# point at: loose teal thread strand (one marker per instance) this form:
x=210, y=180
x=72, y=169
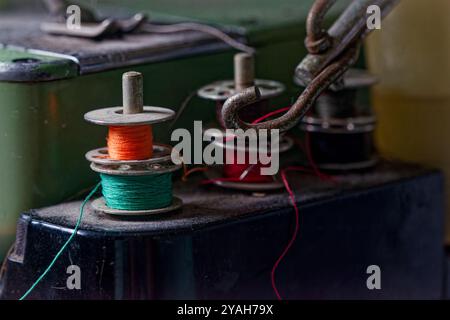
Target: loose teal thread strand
x=60, y=252
x=131, y=193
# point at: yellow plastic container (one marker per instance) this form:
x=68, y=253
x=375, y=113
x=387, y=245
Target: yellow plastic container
x=411, y=55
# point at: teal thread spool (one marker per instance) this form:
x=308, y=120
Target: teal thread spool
x=134, y=187
x=137, y=193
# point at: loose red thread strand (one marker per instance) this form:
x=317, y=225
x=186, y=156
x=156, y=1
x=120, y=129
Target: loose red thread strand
x=297, y=223
x=284, y=172
x=188, y=173
x=296, y=230
x=130, y=142
x=307, y=150
x=315, y=170
x=271, y=114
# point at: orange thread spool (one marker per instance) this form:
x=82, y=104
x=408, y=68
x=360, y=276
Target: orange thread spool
x=130, y=142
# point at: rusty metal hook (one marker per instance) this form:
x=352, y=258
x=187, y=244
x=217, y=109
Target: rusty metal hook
x=298, y=110
x=349, y=28
x=317, y=38
x=331, y=55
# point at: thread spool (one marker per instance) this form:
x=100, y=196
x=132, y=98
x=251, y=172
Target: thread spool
x=136, y=190
x=137, y=193
x=136, y=173
x=246, y=176
x=340, y=135
x=243, y=176
x=244, y=77
x=246, y=173
x=130, y=143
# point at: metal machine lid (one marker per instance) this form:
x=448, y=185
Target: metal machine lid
x=21, y=65
x=80, y=56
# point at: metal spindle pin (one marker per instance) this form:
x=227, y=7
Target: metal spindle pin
x=244, y=71
x=244, y=78
x=133, y=92
x=132, y=112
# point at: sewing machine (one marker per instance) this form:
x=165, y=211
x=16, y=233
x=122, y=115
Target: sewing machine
x=223, y=243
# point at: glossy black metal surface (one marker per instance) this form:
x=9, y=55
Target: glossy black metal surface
x=223, y=244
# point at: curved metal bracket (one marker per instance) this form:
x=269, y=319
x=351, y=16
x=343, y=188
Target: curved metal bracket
x=317, y=38
x=332, y=54
x=349, y=28
x=299, y=109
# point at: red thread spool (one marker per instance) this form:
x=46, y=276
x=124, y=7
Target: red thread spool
x=250, y=173
x=247, y=172
x=130, y=142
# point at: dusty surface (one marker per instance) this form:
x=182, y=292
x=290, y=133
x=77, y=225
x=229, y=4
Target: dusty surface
x=210, y=205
